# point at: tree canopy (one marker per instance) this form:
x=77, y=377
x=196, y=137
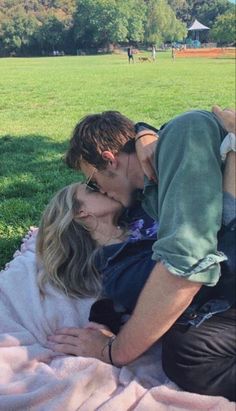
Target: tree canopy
x=224, y=29
x=36, y=27
x=162, y=24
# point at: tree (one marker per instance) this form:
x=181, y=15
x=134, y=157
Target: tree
x=24, y=25
x=208, y=11
x=205, y=11
x=180, y=8
x=136, y=15
x=16, y=32
x=28, y=26
x=50, y=34
x=99, y=23
x=224, y=29
x=161, y=23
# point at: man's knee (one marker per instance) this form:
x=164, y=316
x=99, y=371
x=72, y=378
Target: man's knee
x=191, y=360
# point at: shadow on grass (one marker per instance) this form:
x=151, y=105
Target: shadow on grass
x=31, y=171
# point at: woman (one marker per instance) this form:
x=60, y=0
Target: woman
x=85, y=250
x=75, y=223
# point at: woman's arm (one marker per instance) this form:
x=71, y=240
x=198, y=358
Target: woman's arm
x=227, y=117
x=228, y=154
x=229, y=183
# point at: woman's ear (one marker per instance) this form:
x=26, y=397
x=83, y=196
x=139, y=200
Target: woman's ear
x=82, y=213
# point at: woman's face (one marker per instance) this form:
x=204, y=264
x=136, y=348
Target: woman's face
x=97, y=203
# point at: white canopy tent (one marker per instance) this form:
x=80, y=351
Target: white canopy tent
x=196, y=27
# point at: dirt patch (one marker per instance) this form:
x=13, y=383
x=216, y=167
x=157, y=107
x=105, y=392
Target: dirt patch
x=209, y=53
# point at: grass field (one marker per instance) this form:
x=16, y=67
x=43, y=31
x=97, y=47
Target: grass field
x=42, y=99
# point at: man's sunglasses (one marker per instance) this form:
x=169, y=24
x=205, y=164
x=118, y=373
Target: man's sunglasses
x=91, y=185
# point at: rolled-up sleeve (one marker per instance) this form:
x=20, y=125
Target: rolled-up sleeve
x=189, y=201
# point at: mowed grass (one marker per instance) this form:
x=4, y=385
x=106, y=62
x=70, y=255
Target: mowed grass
x=42, y=99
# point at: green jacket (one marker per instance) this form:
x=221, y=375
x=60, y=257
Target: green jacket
x=187, y=200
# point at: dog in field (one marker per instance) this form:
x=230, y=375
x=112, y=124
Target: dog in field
x=143, y=59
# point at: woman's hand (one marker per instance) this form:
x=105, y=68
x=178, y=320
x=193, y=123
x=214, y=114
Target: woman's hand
x=84, y=342
x=227, y=117
x=145, y=149
x=96, y=326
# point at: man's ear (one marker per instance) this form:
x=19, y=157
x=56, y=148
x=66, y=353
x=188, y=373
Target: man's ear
x=110, y=158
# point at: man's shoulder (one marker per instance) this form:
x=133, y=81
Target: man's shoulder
x=194, y=120
x=193, y=116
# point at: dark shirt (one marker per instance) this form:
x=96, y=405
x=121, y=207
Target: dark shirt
x=130, y=52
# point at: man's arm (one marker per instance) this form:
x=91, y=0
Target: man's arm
x=163, y=299
x=189, y=211
x=146, y=145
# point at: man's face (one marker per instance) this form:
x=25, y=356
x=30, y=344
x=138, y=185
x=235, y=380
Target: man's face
x=115, y=184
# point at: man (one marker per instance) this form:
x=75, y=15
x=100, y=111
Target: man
x=130, y=54
x=184, y=287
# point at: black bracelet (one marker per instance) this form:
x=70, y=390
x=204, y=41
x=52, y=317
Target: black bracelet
x=146, y=134
x=141, y=126
x=110, y=342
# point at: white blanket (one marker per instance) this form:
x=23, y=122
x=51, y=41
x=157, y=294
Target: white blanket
x=33, y=377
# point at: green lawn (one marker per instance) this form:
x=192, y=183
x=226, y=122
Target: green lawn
x=42, y=99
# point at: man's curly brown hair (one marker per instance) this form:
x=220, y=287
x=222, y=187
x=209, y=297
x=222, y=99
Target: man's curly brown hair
x=96, y=133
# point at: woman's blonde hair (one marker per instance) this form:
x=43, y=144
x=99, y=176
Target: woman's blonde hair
x=65, y=249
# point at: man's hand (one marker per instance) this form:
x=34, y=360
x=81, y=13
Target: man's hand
x=145, y=149
x=227, y=117
x=84, y=342
x=161, y=302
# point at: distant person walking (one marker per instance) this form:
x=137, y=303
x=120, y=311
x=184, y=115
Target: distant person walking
x=173, y=53
x=153, y=53
x=130, y=54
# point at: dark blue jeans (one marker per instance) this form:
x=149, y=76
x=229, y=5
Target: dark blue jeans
x=203, y=359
